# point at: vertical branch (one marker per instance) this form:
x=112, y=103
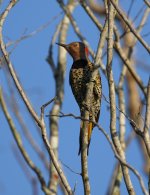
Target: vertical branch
x=112, y=98
x=117, y=175
x=121, y=97
x=59, y=75
x=84, y=144
x=146, y=135
x=86, y=113
x=129, y=41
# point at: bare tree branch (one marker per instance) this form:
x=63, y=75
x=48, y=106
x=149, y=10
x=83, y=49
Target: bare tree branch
x=10, y=67
x=62, y=115
x=59, y=76
x=147, y=3
x=33, y=33
x=20, y=145
x=146, y=136
x=117, y=46
x=39, y=121
x=146, y=46
x=129, y=96
x=112, y=98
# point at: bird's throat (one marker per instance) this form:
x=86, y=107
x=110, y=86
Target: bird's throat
x=81, y=63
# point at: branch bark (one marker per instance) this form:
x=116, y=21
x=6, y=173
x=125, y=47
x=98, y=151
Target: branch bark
x=59, y=76
x=39, y=121
x=137, y=35
x=114, y=135
x=18, y=140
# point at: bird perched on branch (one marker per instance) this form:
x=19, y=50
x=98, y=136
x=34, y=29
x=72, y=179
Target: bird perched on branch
x=80, y=75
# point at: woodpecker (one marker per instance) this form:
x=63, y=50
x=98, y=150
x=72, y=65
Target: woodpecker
x=80, y=75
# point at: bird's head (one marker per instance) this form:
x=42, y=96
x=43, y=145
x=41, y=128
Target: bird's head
x=77, y=50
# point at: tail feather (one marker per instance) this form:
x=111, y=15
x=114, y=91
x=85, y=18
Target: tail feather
x=90, y=127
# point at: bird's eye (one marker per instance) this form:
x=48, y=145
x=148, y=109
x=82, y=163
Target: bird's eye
x=75, y=45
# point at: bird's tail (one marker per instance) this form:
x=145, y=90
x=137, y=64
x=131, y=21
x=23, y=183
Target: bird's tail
x=90, y=128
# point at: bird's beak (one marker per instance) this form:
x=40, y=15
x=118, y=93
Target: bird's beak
x=62, y=45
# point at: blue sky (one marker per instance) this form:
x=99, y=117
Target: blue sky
x=36, y=77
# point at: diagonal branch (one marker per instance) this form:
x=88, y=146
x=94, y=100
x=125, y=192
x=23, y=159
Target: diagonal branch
x=125, y=19
x=18, y=140
x=147, y=3
x=40, y=122
x=10, y=67
x=117, y=47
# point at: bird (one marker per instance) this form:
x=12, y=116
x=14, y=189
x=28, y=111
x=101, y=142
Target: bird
x=79, y=76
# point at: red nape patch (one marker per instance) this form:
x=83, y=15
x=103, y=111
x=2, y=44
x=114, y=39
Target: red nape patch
x=87, y=51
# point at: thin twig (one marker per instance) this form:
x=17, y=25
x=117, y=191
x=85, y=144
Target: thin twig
x=70, y=169
x=33, y=33
x=45, y=105
x=132, y=122
x=130, y=8
x=32, y=180
x=49, y=58
x=91, y=14
x=130, y=68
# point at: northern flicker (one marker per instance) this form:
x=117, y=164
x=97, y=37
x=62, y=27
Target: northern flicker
x=80, y=75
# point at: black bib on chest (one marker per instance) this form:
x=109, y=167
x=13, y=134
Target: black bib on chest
x=79, y=64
